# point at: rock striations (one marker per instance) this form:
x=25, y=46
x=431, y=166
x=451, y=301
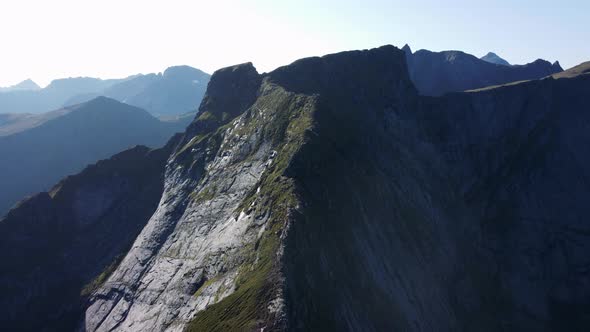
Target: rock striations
x=328, y=195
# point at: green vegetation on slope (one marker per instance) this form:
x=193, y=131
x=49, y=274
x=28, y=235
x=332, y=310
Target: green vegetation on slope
x=256, y=285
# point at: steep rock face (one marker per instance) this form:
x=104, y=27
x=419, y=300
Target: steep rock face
x=377, y=243
x=522, y=157
x=189, y=254
x=58, y=246
x=437, y=73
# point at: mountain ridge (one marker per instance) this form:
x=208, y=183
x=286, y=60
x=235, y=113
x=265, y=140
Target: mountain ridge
x=437, y=73
x=178, y=90
x=330, y=195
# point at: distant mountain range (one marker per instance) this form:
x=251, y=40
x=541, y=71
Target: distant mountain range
x=25, y=85
x=39, y=150
x=437, y=73
x=176, y=91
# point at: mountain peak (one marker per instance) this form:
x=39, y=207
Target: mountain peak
x=492, y=57
x=407, y=49
x=230, y=91
x=27, y=84
x=183, y=72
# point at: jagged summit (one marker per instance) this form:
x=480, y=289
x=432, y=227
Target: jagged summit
x=557, y=66
x=407, y=49
x=492, y=57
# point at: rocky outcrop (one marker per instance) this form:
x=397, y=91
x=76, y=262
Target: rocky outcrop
x=58, y=246
x=437, y=73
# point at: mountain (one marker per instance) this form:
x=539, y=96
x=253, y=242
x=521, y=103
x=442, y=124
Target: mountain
x=329, y=195
x=492, y=57
x=35, y=158
x=11, y=123
x=178, y=90
x=437, y=73
x=51, y=97
x=27, y=84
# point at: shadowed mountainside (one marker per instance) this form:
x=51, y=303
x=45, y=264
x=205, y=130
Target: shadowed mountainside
x=60, y=245
x=437, y=73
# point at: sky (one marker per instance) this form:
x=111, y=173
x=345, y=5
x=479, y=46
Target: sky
x=44, y=40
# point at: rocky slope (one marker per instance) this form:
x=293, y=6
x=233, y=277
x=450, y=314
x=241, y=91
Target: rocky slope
x=58, y=246
x=329, y=195
x=437, y=73
x=45, y=148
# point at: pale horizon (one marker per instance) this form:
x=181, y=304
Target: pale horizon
x=51, y=40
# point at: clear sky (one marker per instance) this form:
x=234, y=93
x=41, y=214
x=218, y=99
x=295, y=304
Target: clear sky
x=44, y=40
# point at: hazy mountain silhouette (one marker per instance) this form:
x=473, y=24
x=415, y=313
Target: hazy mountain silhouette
x=178, y=90
x=27, y=84
x=51, y=97
x=36, y=158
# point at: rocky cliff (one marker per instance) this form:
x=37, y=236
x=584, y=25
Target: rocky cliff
x=329, y=195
